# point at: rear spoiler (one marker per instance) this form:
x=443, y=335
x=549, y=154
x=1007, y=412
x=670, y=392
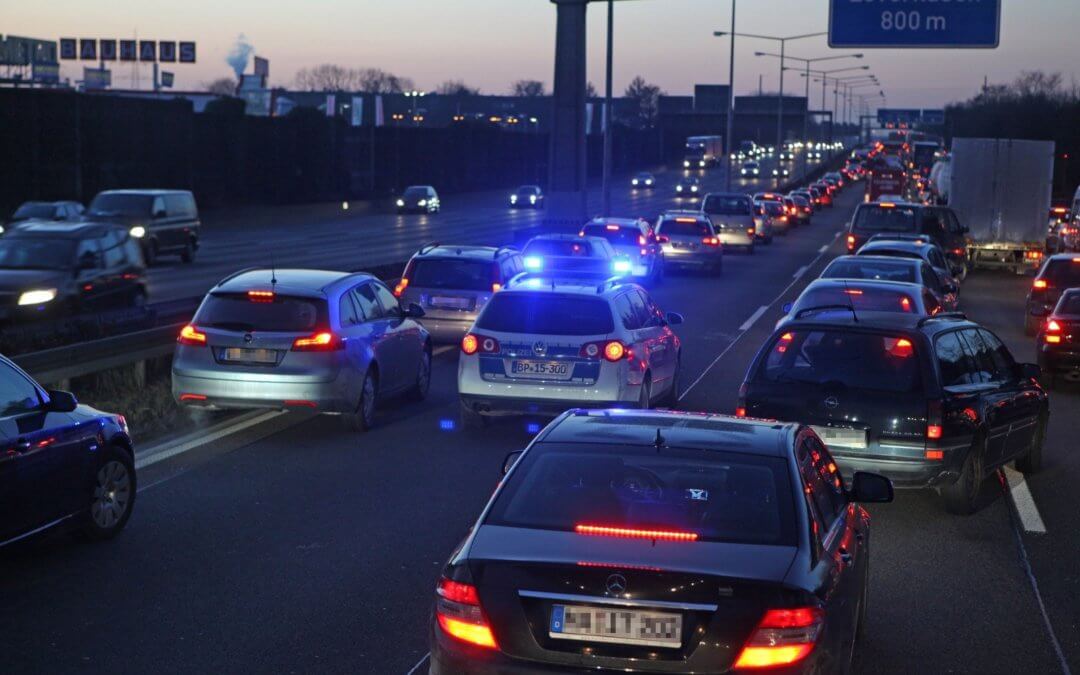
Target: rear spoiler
x=821, y=308
x=943, y=316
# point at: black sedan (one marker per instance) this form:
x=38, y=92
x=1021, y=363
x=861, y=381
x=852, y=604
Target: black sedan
x=61, y=462
x=661, y=542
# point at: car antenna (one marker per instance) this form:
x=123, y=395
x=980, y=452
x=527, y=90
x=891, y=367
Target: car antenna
x=851, y=305
x=273, y=272
x=659, y=442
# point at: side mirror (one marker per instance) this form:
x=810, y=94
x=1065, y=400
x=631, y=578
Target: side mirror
x=510, y=460
x=870, y=488
x=1028, y=371
x=788, y=307
x=414, y=311
x=674, y=318
x=62, y=401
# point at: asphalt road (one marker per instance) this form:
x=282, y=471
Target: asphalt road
x=300, y=547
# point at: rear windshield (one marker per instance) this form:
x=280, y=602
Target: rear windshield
x=560, y=247
x=879, y=219
x=891, y=253
x=31, y=210
x=121, y=204
x=841, y=359
x=685, y=228
x=546, y=314
x=464, y=275
x=287, y=314
x=718, y=496
x=616, y=234
x=721, y=205
x=773, y=208
x=861, y=299
x=1062, y=273
x=884, y=270
x=1068, y=305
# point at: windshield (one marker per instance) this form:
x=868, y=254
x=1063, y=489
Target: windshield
x=727, y=205
x=546, y=314
x=884, y=270
x=286, y=314
x=465, y=275
x=718, y=496
x=773, y=208
x=884, y=219
x=122, y=204
x=843, y=359
x=617, y=235
x=36, y=254
x=415, y=193
x=862, y=299
x=33, y=210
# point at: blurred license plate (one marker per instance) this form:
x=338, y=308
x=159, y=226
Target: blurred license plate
x=842, y=437
x=452, y=303
x=250, y=355
x=616, y=624
x=542, y=370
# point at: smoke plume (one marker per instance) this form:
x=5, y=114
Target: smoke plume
x=239, y=55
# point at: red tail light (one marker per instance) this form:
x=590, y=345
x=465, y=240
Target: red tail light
x=740, y=407
x=400, y=287
x=751, y=231
x=323, y=341
x=460, y=615
x=472, y=343
x=634, y=533
x=905, y=304
x=782, y=637
x=851, y=242
x=934, y=429
x=710, y=241
x=1040, y=285
x=959, y=251
x=1052, y=335
x=190, y=335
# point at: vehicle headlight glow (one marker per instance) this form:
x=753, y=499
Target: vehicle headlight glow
x=422, y=202
x=634, y=182
x=401, y=202
x=648, y=182
x=621, y=266
x=37, y=297
x=701, y=163
x=533, y=262
x=138, y=231
x=693, y=188
x=513, y=199
x=686, y=163
x=532, y=199
x=678, y=188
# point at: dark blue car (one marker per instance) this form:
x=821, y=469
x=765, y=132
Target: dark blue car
x=60, y=462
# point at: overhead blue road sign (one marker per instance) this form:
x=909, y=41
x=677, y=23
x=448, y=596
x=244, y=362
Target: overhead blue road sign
x=933, y=116
x=898, y=115
x=867, y=24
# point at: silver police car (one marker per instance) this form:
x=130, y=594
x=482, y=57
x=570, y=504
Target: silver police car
x=330, y=342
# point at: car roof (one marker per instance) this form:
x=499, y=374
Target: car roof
x=898, y=321
x=897, y=245
x=289, y=281
x=420, y=187
x=562, y=282
x=705, y=431
x=153, y=192
x=562, y=236
x=471, y=252
x=864, y=283
x=621, y=222
x=55, y=230
x=683, y=213
x=1063, y=256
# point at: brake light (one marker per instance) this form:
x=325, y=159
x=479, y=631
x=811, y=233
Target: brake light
x=1033, y=255
x=192, y=397
x=686, y=220
x=323, y=341
x=260, y=296
x=852, y=291
x=611, y=228
x=1053, y=328
x=472, y=343
x=902, y=349
x=887, y=205
x=190, y=335
x=469, y=344
x=751, y=231
x=851, y=242
x=959, y=251
x=782, y=637
x=614, y=350
x=400, y=287
x=934, y=429
x=1040, y=285
x=633, y=533
x=460, y=616
x=581, y=233
x=905, y=304
x=641, y=241
x=740, y=407
x=710, y=241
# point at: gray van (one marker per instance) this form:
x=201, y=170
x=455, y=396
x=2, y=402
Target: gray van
x=164, y=221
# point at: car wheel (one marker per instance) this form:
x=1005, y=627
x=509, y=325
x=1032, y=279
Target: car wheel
x=1031, y=461
x=1031, y=325
x=419, y=390
x=470, y=419
x=112, y=495
x=363, y=417
x=961, y=495
x=188, y=254
x=150, y=253
x=645, y=399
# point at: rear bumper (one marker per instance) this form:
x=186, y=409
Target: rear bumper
x=912, y=473
x=1059, y=361
x=203, y=392
x=447, y=331
x=695, y=259
x=502, y=406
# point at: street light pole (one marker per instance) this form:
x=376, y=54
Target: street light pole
x=606, y=189
x=780, y=114
x=730, y=139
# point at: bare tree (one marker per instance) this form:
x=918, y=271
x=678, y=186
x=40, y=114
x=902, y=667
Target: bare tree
x=647, y=97
x=223, y=86
x=378, y=81
x=527, y=88
x=326, y=77
x=590, y=91
x=457, y=88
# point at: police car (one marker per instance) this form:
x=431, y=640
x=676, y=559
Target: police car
x=577, y=255
x=546, y=343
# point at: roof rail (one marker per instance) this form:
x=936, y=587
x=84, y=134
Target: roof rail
x=944, y=316
x=428, y=246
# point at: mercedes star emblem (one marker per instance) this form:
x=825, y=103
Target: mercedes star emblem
x=616, y=584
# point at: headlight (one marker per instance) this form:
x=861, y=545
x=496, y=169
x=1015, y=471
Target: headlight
x=634, y=182
x=686, y=163
x=743, y=172
x=138, y=231
x=701, y=163
x=756, y=171
x=693, y=188
x=37, y=297
x=678, y=188
x=513, y=199
x=401, y=202
x=648, y=182
x=422, y=202
x=532, y=199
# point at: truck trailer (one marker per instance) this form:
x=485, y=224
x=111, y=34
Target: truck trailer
x=703, y=152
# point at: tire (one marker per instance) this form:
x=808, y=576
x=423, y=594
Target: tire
x=671, y=399
x=112, y=494
x=470, y=419
x=363, y=417
x=420, y=388
x=150, y=253
x=1031, y=325
x=1031, y=461
x=960, y=497
x=188, y=254
x=138, y=298
x=645, y=399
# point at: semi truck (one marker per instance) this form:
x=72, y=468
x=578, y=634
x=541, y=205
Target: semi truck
x=885, y=175
x=1000, y=190
x=703, y=152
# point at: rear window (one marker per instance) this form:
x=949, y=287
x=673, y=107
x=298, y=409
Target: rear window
x=685, y=227
x=1069, y=304
x=286, y=314
x=883, y=219
x=883, y=270
x=121, y=204
x=616, y=234
x=1062, y=273
x=773, y=208
x=464, y=275
x=721, y=205
x=546, y=314
x=34, y=210
x=890, y=253
x=843, y=359
x=719, y=496
x=560, y=247
x=861, y=299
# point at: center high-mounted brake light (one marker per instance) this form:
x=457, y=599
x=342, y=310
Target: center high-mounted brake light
x=460, y=616
x=782, y=637
x=686, y=220
x=323, y=341
x=634, y=533
x=191, y=336
x=260, y=296
x=852, y=291
x=851, y=242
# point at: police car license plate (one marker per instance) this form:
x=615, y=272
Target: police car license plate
x=542, y=370
x=619, y=625
x=842, y=437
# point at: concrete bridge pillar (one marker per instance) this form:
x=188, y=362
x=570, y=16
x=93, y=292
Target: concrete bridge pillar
x=566, y=198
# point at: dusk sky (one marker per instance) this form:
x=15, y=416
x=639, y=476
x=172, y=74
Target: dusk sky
x=491, y=43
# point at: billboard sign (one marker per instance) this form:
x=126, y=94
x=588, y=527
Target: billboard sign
x=68, y=49
x=147, y=51
x=167, y=51
x=935, y=117
x=21, y=51
x=187, y=52
x=128, y=50
x=895, y=116
x=107, y=50
x=87, y=49
x=46, y=73
x=926, y=25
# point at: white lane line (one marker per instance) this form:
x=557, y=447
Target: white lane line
x=439, y=351
x=418, y=664
x=754, y=317
x=1024, y=502
x=164, y=451
x=824, y=248
x=801, y=271
x=837, y=235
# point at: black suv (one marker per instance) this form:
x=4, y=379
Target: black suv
x=60, y=462
x=165, y=221
x=52, y=270
x=928, y=402
x=937, y=222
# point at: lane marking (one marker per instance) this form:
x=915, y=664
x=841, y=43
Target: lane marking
x=163, y=451
x=418, y=664
x=439, y=351
x=837, y=235
x=801, y=271
x=754, y=317
x=824, y=248
x=1024, y=502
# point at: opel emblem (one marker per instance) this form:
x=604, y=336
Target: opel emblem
x=832, y=402
x=248, y=337
x=616, y=584
x=540, y=348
